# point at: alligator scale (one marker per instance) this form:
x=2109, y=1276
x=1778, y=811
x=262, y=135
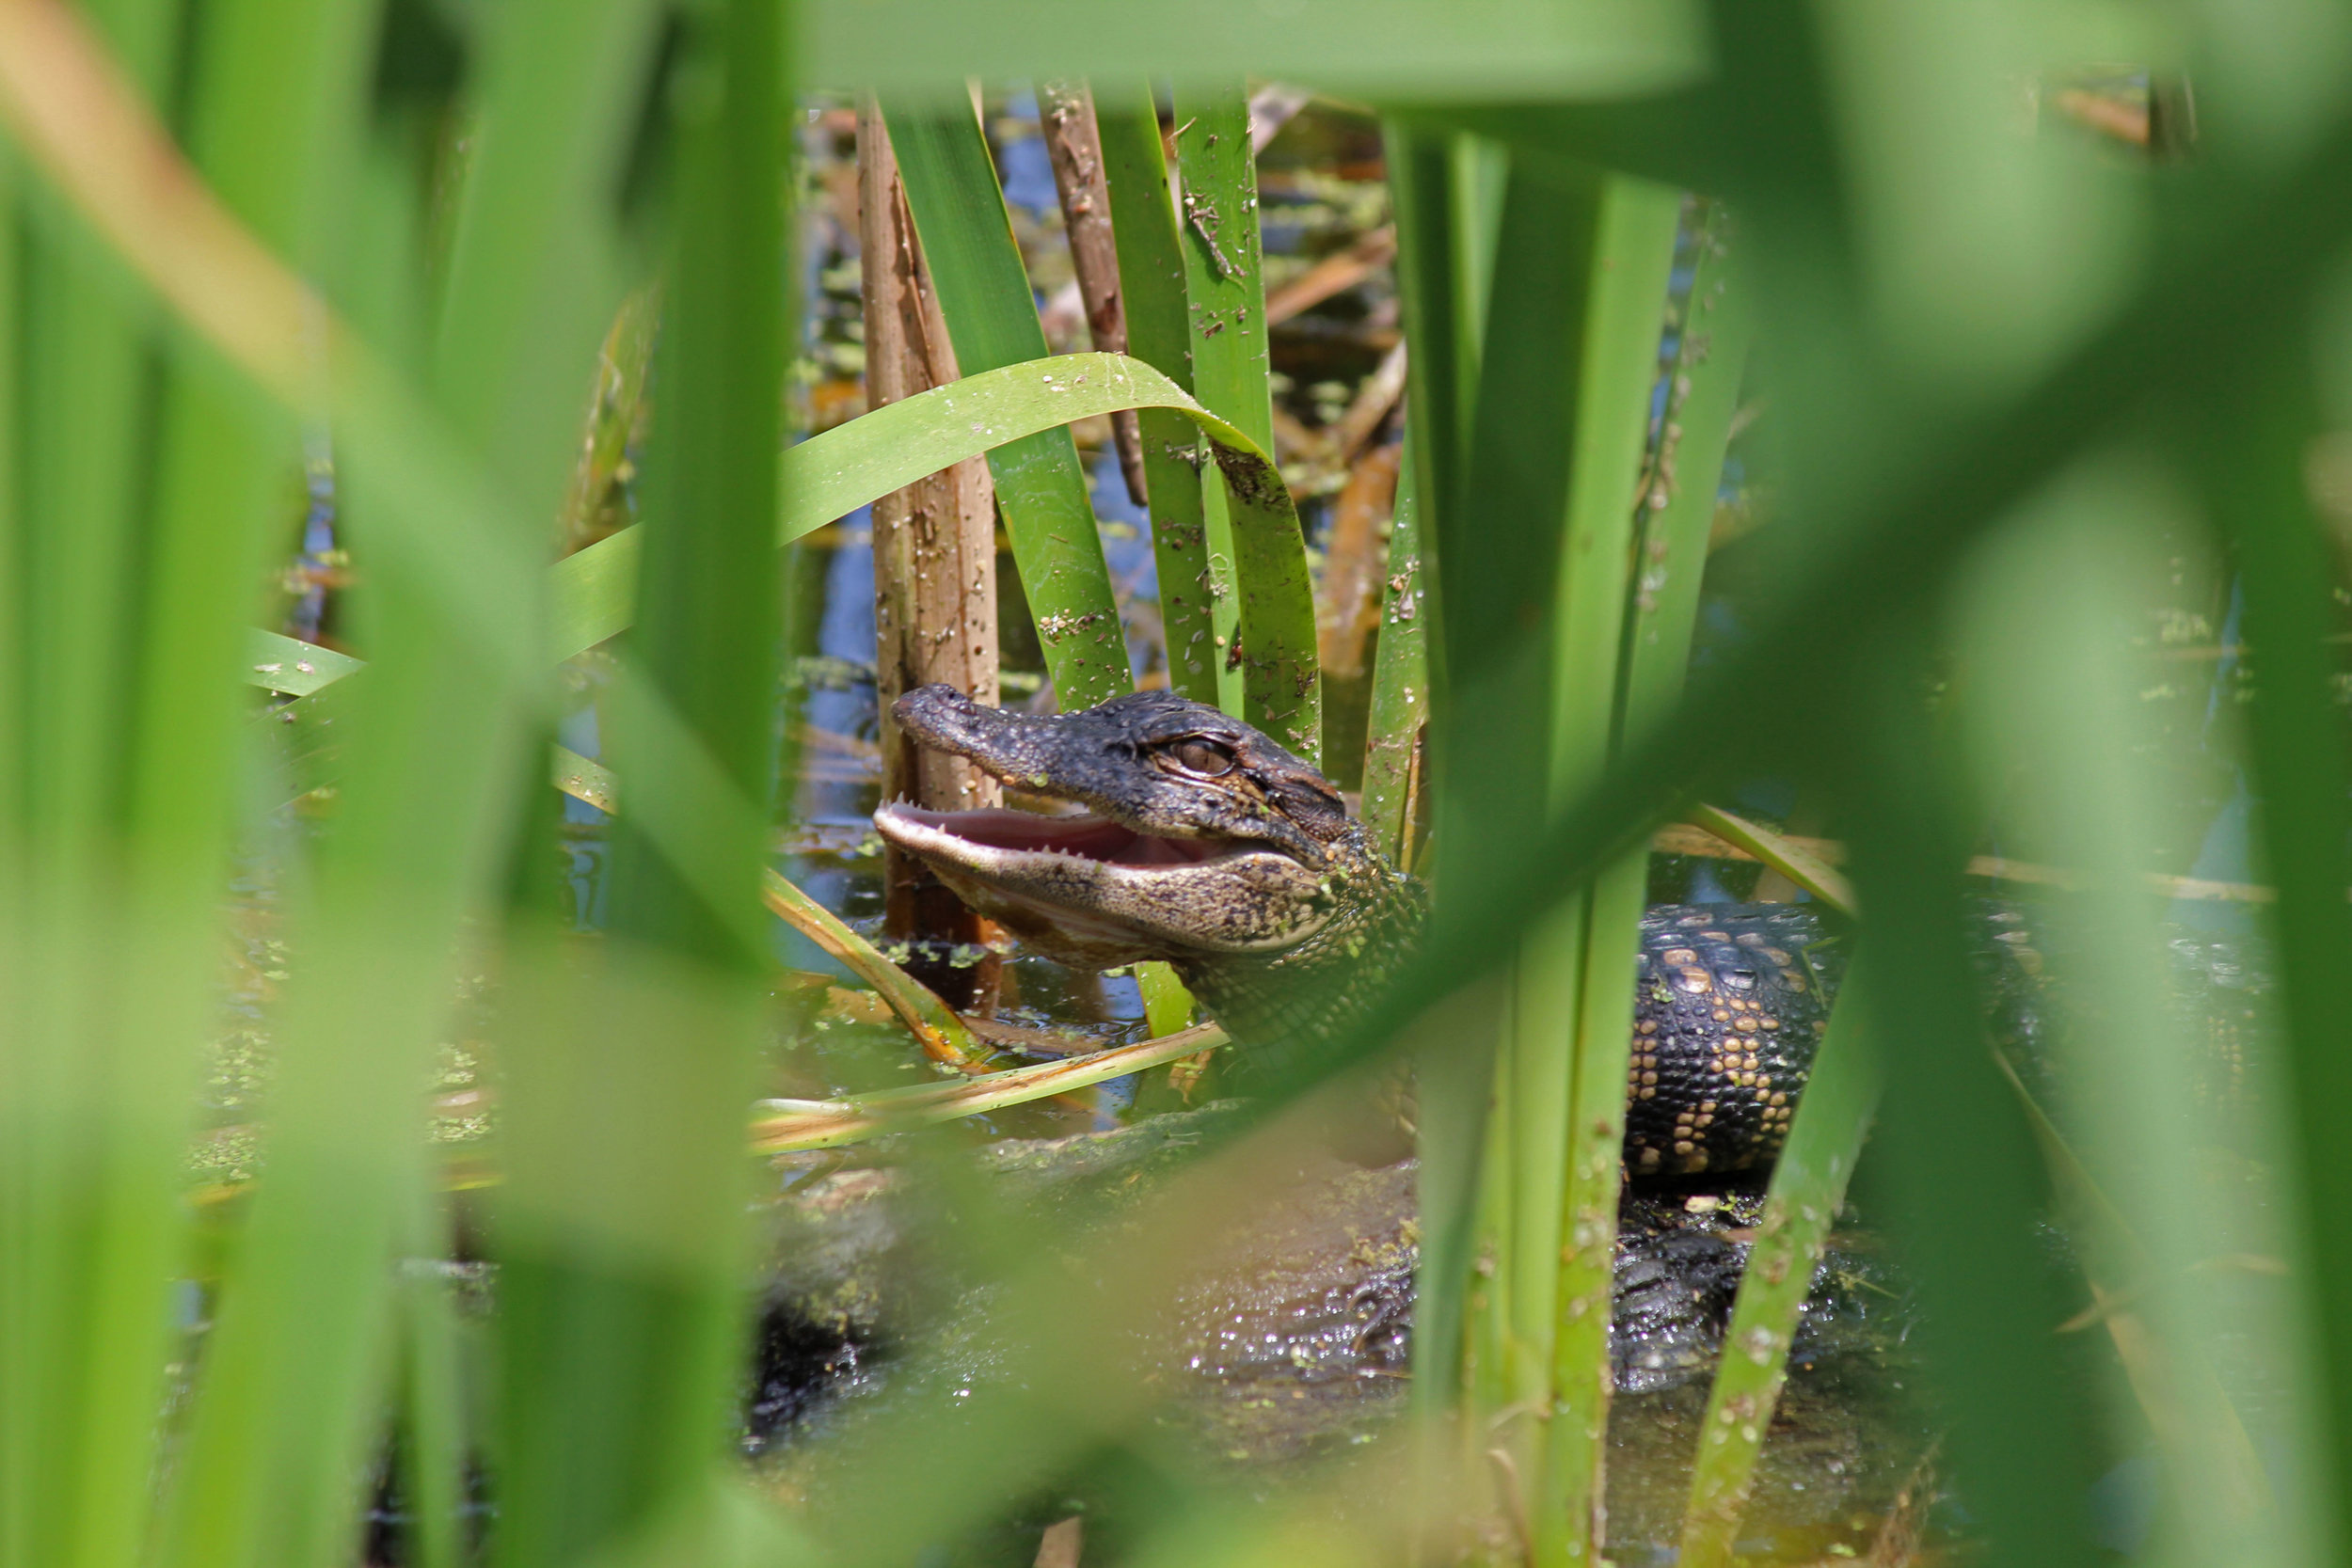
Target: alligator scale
x=1201, y=842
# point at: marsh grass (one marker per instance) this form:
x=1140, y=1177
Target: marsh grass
x=1952, y=317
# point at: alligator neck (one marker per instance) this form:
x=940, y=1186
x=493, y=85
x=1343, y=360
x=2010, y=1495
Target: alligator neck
x=1318, y=988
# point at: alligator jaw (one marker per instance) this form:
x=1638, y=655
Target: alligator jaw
x=999, y=839
x=1199, y=835
x=1091, y=891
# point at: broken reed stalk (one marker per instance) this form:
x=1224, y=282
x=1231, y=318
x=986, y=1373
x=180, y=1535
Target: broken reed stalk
x=935, y=580
x=1075, y=149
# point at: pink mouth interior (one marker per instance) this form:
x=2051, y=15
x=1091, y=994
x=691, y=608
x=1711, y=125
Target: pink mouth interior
x=1094, y=838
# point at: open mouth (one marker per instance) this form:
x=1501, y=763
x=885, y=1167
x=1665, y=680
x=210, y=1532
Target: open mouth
x=1082, y=836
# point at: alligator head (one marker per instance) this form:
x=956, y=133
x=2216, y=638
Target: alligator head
x=1197, y=835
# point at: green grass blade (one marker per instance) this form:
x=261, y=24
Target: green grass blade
x=1948, y=1120
x=1270, y=641
x=287, y=1406
x=1152, y=283
x=296, y=669
x=1456, y=1083
x=272, y=126
x=534, y=275
x=2252, y=435
x=1632, y=250
x=1794, y=862
x=1677, y=513
x=1400, y=681
x=433, y=1445
x=1477, y=174
x=1441, y=376
x=1224, y=270
x=2052, y=596
x=88, y=1228
x=992, y=319
x=619, y=1257
x=1517, y=49
x=1498, y=711
x=846, y=467
x=1808, y=1187
x=933, y=1024
x=20, y=1310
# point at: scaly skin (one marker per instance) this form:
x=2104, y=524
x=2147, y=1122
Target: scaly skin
x=1209, y=847
x=1316, y=988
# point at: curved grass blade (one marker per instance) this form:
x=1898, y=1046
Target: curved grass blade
x=1950, y=1123
x=834, y=473
x=992, y=319
x=1151, y=278
x=936, y=1027
x=2057, y=700
x=1792, y=861
x=1808, y=1188
x=1271, y=638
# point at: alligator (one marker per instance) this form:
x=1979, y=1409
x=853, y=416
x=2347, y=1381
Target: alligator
x=1201, y=842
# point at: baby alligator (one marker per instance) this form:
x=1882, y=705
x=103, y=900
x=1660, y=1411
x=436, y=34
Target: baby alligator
x=1202, y=843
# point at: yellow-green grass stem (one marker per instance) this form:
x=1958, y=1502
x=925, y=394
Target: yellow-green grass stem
x=1808, y=1187
x=1793, y=860
x=794, y=1124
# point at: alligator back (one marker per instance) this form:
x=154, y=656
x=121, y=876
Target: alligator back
x=1729, y=1002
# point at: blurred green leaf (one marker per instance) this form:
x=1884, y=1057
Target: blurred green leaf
x=1490, y=48
x=625, y=1206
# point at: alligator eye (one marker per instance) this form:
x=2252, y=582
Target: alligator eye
x=1205, y=757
